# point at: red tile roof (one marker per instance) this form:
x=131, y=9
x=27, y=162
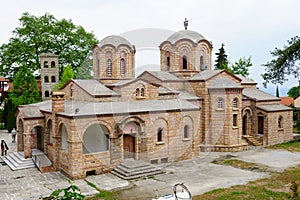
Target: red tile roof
x=288, y=101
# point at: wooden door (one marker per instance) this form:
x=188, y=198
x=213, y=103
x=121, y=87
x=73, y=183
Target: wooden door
x=129, y=146
x=260, y=125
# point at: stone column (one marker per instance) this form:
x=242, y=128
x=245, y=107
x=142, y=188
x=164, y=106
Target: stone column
x=27, y=145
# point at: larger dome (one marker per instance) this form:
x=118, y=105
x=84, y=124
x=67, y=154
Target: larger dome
x=185, y=34
x=115, y=41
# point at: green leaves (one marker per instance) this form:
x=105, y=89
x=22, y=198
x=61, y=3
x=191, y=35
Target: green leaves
x=45, y=34
x=286, y=63
x=71, y=192
x=221, y=61
x=68, y=74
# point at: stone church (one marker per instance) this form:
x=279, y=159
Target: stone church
x=91, y=126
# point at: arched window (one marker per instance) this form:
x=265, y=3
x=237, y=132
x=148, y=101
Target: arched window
x=53, y=79
x=186, y=131
x=137, y=92
x=46, y=64
x=184, y=62
x=159, y=135
x=142, y=92
x=109, y=67
x=46, y=79
x=95, y=139
x=52, y=64
x=122, y=66
x=201, y=62
x=235, y=103
x=220, y=103
x=64, y=138
x=280, y=122
x=168, y=62
x=47, y=93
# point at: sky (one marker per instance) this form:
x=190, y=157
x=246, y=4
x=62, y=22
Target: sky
x=247, y=28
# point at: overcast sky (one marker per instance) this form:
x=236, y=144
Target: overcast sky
x=246, y=27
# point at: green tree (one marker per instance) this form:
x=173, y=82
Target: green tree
x=25, y=91
x=286, y=63
x=221, y=61
x=45, y=34
x=67, y=75
x=293, y=92
x=241, y=66
x=84, y=71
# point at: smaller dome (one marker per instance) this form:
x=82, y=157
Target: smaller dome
x=115, y=41
x=185, y=34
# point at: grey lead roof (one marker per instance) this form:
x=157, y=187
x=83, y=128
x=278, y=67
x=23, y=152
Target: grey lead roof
x=101, y=108
x=185, y=34
x=164, y=76
x=273, y=107
x=245, y=80
x=204, y=75
x=224, y=83
x=33, y=110
x=114, y=40
x=258, y=95
x=95, y=88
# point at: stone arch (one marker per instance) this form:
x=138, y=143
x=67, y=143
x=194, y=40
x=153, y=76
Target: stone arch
x=37, y=137
x=20, y=130
x=95, y=139
x=161, y=128
x=135, y=119
x=63, y=132
x=247, y=121
x=187, y=127
x=49, y=131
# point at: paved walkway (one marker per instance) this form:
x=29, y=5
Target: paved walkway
x=200, y=175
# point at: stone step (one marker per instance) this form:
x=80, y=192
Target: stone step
x=136, y=172
x=16, y=161
x=133, y=169
x=251, y=140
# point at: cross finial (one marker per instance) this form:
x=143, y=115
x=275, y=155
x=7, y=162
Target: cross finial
x=186, y=23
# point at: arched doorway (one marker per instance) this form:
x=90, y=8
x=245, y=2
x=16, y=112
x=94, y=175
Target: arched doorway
x=130, y=131
x=38, y=138
x=260, y=124
x=20, y=136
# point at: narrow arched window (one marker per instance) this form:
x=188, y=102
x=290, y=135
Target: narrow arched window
x=201, y=62
x=186, y=131
x=220, y=103
x=235, y=103
x=159, y=135
x=46, y=79
x=53, y=79
x=109, y=67
x=47, y=94
x=137, y=92
x=184, y=62
x=168, y=62
x=46, y=64
x=122, y=66
x=142, y=92
x=280, y=122
x=52, y=64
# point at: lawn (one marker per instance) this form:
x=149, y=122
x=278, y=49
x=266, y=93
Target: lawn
x=278, y=186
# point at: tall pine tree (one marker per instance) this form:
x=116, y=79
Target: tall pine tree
x=221, y=61
x=24, y=91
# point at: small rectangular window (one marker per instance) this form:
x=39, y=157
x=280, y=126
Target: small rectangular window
x=159, y=134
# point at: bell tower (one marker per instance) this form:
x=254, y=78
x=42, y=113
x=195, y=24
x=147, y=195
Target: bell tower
x=49, y=74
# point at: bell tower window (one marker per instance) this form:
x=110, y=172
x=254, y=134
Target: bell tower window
x=122, y=66
x=109, y=67
x=184, y=62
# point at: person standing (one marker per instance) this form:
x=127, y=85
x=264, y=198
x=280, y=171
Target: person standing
x=13, y=135
x=4, y=148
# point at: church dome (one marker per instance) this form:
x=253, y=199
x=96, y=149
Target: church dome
x=185, y=34
x=115, y=41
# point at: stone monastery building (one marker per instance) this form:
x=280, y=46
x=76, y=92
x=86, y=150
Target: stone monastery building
x=91, y=126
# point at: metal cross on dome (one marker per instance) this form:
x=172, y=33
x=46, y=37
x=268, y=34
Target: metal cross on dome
x=186, y=23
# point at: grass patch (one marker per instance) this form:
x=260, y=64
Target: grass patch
x=293, y=146
x=103, y=194
x=276, y=187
